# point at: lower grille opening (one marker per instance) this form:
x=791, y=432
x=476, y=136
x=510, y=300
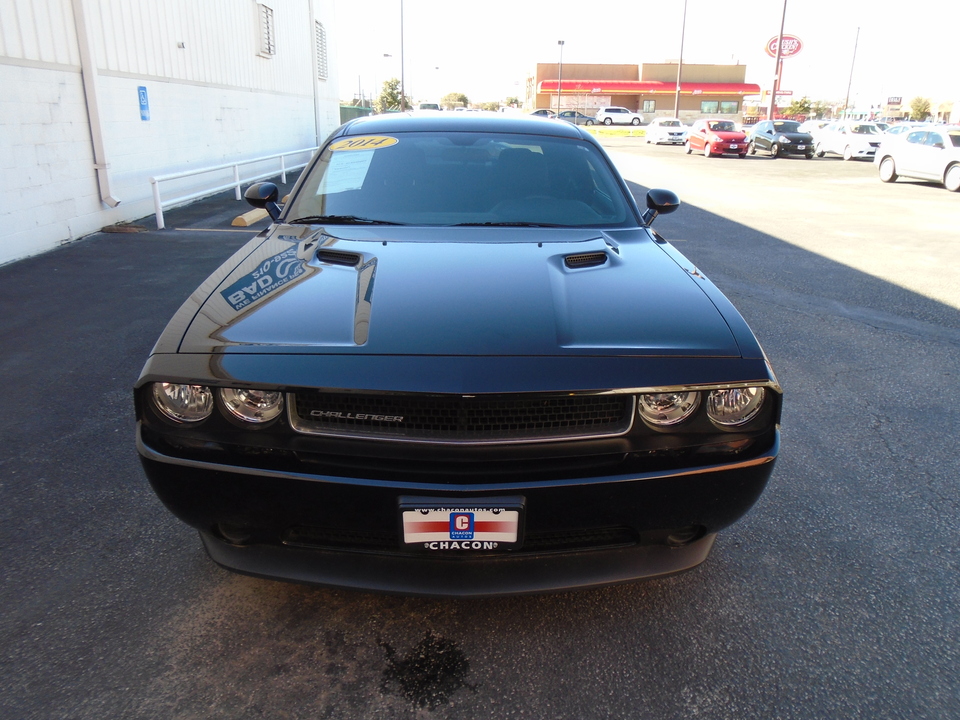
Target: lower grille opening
x=389, y=542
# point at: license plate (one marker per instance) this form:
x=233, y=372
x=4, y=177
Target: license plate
x=465, y=525
x=733, y=146
x=801, y=147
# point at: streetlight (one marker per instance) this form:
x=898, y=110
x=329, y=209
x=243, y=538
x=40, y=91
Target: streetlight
x=852, y=64
x=778, y=66
x=403, y=102
x=559, y=75
x=683, y=31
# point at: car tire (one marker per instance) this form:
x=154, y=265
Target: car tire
x=847, y=153
x=607, y=121
x=636, y=121
x=888, y=170
x=951, y=178
x=775, y=151
x=742, y=155
x=819, y=150
x=589, y=122
x=688, y=148
x=707, y=152
x=809, y=156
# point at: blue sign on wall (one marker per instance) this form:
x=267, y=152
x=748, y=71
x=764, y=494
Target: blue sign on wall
x=144, y=103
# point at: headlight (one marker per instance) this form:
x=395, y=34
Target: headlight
x=667, y=408
x=183, y=403
x=784, y=139
x=735, y=406
x=253, y=406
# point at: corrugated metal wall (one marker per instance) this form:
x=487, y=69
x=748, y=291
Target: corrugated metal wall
x=167, y=39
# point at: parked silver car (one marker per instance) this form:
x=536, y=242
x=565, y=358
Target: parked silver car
x=925, y=154
x=666, y=130
x=618, y=116
x=851, y=139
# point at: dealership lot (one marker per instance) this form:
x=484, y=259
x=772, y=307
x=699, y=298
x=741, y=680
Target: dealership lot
x=836, y=596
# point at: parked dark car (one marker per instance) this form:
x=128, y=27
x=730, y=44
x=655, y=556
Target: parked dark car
x=780, y=137
x=576, y=118
x=459, y=362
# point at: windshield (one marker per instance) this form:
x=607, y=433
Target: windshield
x=723, y=126
x=786, y=126
x=670, y=123
x=461, y=178
x=865, y=129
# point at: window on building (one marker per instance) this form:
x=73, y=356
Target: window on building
x=649, y=106
x=268, y=32
x=709, y=107
x=321, y=51
x=729, y=107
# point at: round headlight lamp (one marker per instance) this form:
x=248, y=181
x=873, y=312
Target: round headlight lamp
x=667, y=408
x=253, y=406
x=735, y=406
x=183, y=403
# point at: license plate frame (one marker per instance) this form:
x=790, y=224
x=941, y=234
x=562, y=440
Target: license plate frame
x=456, y=526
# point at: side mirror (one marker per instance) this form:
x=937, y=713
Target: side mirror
x=264, y=195
x=659, y=202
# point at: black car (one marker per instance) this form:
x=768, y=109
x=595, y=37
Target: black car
x=459, y=362
x=780, y=137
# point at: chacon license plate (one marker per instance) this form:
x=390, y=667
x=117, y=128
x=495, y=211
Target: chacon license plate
x=485, y=525
x=801, y=147
x=733, y=146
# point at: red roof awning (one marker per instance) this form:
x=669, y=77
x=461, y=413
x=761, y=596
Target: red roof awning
x=647, y=87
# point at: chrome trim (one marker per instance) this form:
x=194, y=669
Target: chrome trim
x=294, y=420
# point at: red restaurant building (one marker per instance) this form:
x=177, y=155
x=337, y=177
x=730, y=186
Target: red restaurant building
x=650, y=89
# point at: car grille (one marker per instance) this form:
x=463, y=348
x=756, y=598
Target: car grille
x=389, y=542
x=461, y=418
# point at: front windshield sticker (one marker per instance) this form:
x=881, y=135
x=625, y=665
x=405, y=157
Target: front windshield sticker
x=346, y=171
x=368, y=142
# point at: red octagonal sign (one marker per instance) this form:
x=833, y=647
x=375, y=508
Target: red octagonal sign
x=790, y=46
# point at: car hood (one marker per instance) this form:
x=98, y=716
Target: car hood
x=797, y=137
x=728, y=136
x=453, y=291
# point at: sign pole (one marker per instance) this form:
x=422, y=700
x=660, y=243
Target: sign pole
x=777, y=65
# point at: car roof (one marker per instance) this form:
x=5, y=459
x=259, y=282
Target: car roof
x=462, y=122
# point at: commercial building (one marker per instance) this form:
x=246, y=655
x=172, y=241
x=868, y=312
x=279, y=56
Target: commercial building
x=651, y=89
x=101, y=95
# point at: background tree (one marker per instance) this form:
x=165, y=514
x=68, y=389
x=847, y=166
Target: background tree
x=493, y=106
x=389, y=98
x=820, y=108
x=799, y=107
x=919, y=108
x=513, y=102
x=452, y=100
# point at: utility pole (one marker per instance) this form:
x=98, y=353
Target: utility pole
x=559, y=75
x=778, y=67
x=853, y=62
x=683, y=32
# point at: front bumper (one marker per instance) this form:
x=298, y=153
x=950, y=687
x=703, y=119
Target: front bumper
x=344, y=532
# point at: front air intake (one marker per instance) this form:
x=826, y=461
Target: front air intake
x=338, y=257
x=584, y=260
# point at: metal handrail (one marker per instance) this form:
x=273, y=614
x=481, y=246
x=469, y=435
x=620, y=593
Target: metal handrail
x=159, y=204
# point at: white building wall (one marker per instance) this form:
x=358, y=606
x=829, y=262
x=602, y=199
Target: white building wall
x=212, y=101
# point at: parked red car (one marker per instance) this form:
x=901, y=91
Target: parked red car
x=716, y=137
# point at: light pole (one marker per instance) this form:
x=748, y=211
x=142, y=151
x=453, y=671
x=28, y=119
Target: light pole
x=850, y=82
x=777, y=66
x=403, y=102
x=559, y=75
x=683, y=32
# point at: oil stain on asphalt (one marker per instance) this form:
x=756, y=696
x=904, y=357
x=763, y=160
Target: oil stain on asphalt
x=432, y=671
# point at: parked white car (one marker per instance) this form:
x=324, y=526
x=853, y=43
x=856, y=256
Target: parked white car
x=851, y=139
x=666, y=130
x=618, y=116
x=923, y=153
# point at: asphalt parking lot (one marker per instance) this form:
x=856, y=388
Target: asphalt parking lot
x=837, y=596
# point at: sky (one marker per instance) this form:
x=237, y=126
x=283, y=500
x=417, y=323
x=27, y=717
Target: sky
x=486, y=48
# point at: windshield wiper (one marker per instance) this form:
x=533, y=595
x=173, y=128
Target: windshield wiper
x=339, y=220
x=507, y=224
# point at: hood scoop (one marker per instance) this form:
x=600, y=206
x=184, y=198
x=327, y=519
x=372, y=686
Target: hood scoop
x=585, y=260
x=338, y=257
